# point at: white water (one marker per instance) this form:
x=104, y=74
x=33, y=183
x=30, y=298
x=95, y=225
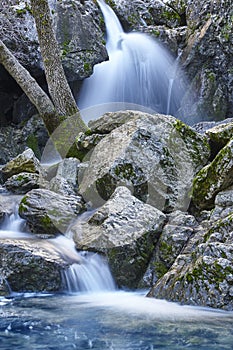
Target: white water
x=88, y=272
x=139, y=72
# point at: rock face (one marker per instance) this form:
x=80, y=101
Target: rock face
x=14, y=141
x=77, y=27
x=30, y=265
x=155, y=156
x=202, y=274
x=208, y=35
x=48, y=212
x=214, y=177
x=126, y=230
x=174, y=237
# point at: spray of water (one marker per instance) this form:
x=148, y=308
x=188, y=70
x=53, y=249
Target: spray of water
x=139, y=71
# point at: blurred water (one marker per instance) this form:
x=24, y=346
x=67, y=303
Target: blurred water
x=113, y=320
x=139, y=71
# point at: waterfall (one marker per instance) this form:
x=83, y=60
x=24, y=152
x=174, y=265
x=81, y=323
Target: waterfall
x=139, y=72
x=88, y=272
x=92, y=275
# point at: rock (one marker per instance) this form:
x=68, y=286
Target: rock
x=48, y=212
x=174, y=236
x=126, y=230
x=25, y=162
x=66, y=179
x=156, y=156
x=203, y=274
x=208, y=35
x=14, y=141
x=223, y=205
x=81, y=40
x=219, y=136
x=30, y=265
x=23, y=182
x=135, y=13
x=213, y=178
x=110, y=121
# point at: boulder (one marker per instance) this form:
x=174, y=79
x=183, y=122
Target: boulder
x=223, y=205
x=29, y=265
x=126, y=230
x=25, y=162
x=23, y=182
x=66, y=179
x=174, y=237
x=202, y=274
x=213, y=178
x=156, y=156
x=220, y=135
x=47, y=212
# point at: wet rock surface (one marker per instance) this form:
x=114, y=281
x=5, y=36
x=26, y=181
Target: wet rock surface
x=126, y=230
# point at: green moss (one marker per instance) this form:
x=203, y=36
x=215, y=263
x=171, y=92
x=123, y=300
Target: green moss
x=46, y=222
x=208, y=180
x=32, y=142
x=23, y=205
x=87, y=67
x=160, y=269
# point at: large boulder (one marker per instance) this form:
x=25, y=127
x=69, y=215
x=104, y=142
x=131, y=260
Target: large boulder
x=174, y=237
x=29, y=265
x=126, y=230
x=156, y=156
x=202, y=274
x=213, y=178
x=25, y=162
x=48, y=212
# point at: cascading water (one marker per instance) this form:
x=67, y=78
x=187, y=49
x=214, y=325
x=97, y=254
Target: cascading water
x=88, y=272
x=139, y=72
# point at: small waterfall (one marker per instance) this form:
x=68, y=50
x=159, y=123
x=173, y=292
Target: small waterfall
x=92, y=275
x=139, y=72
x=13, y=226
x=88, y=272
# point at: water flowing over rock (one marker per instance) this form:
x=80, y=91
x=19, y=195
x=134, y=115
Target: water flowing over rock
x=126, y=230
x=29, y=265
x=139, y=72
x=155, y=156
x=7, y=205
x=48, y=212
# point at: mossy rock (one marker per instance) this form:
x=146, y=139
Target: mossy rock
x=213, y=178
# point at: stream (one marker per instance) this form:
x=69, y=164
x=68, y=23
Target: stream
x=91, y=313
x=109, y=320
